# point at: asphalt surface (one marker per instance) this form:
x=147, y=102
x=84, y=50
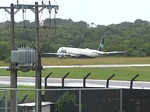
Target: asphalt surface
x=30, y=81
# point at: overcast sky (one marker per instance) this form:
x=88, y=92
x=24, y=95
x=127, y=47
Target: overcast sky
x=100, y=12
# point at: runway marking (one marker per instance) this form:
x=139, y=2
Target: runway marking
x=69, y=82
x=91, y=66
x=98, y=66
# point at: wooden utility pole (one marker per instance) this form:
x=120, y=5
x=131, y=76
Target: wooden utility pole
x=38, y=66
x=13, y=70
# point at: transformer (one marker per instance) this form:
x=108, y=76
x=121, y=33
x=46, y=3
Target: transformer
x=24, y=58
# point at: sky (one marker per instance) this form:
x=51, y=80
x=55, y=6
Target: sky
x=99, y=12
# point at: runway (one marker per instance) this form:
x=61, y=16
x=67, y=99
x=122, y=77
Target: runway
x=90, y=66
x=30, y=81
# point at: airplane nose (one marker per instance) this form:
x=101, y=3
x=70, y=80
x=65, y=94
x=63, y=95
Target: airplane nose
x=59, y=50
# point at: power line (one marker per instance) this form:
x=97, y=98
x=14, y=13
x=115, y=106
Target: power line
x=13, y=66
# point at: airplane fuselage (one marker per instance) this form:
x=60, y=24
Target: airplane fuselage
x=78, y=52
x=64, y=52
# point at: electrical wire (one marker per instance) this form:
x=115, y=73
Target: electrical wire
x=25, y=28
x=23, y=42
x=46, y=38
x=6, y=16
x=48, y=27
x=41, y=16
x=45, y=45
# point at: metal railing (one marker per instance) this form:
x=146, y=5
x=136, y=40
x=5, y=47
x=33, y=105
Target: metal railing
x=78, y=99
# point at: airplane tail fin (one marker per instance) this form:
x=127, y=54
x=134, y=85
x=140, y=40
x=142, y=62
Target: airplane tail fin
x=101, y=45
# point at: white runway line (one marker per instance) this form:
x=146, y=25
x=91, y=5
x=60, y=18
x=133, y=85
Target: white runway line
x=98, y=66
x=91, y=66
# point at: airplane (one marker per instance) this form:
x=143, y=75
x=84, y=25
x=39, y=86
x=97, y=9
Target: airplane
x=64, y=52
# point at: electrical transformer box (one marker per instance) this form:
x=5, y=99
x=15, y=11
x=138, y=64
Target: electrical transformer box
x=24, y=57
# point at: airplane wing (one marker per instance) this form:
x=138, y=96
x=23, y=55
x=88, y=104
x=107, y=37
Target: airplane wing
x=63, y=54
x=55, y=54
x=51, y=53
x=67, y=54
x=115, y=52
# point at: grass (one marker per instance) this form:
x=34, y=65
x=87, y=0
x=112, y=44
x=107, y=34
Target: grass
x=96, y=73
x=102, y=73
x=100, y=60
x=2, y=63
x=22, y=91
x=125, y=73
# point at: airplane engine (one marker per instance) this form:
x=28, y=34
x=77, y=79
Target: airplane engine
x=62, y=56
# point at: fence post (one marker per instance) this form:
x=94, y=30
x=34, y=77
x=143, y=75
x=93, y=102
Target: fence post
x=131, y=83
x=80, y=106
x=64, y=79
x=46, y=79
x=121, y=101
x=107, y=84
x=37, y=100
x=85, y=78
x=6, y=101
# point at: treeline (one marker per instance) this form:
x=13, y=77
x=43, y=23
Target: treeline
x=131, y=37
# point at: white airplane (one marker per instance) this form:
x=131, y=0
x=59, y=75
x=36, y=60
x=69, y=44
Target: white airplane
x=64, y=52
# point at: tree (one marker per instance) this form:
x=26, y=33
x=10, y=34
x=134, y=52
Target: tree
x=4, y=50
x=146, y=48
x=67, y=100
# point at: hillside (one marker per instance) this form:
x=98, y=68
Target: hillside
x=132, y=37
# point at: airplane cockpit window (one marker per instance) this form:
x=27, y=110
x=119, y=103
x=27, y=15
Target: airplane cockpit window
x=63, y=50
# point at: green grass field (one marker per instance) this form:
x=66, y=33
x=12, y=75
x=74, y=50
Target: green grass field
x=125, y=73
x=100, y=60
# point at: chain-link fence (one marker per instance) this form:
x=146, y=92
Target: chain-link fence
x=4, y=101
x=86, y=99
x=77, y=100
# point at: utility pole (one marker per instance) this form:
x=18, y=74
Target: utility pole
x=13, y=70
x=38, y=68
